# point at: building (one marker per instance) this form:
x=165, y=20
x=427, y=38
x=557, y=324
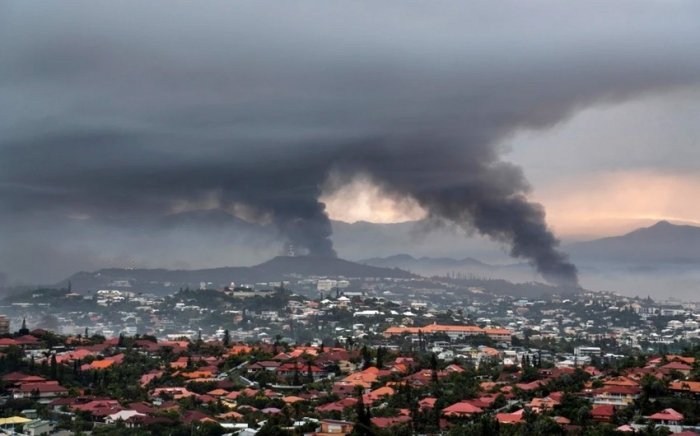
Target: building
x=326, y=285
x=4, y=325
x=454, y=332
x=332, y=427
x=620, y=396
x=587, y=351
x=38, y=427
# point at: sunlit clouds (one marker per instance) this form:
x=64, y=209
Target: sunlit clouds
x=360, y=200
x=615, y=202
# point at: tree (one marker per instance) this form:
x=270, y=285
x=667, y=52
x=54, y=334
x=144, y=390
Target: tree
x=381, y=351
x=227, y=338
x=363, y=423
x=207, y=428
x=295, y=379
x=54, y=368
x=24, y=330
x=309, y=372
x=366, y=357
x=433, y=368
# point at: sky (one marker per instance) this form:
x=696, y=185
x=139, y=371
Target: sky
x=605, y=171
x=524, y=122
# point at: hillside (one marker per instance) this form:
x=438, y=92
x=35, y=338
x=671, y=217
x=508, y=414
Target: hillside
x=663, y=243
x=279, y=268
x=444, y=266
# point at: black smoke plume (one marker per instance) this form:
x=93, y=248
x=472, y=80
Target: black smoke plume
x=115, y=116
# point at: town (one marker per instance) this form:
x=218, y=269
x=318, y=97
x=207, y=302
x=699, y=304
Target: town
x=348, y=355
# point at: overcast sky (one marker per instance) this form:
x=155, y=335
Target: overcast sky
x=116, y=113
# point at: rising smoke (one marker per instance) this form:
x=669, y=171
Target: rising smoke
x=126, y=114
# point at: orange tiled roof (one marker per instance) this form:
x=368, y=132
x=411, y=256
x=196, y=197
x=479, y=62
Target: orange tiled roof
x=685, y=386
x=461, y=409
x=440, y=328
x=101, y=364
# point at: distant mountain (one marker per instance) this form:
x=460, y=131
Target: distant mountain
x=362, y=240
x=424, y=265
x=662, y=243
x=277, y=269
x=442, y=266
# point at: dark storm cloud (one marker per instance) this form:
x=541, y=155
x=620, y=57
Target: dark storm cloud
x=117, y=113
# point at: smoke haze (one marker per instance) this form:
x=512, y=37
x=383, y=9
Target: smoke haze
x=116, y=117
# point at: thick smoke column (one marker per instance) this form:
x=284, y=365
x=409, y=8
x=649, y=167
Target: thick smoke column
x=114, y=116
x=465, y=183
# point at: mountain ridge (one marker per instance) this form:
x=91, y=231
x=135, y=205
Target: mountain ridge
x=662, y=242
x=276, y=269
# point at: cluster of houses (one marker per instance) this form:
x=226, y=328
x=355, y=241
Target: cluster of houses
x=322, y=386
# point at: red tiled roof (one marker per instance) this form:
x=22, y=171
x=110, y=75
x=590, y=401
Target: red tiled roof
x=667, y=415
x=686, y=386
x=677, y=366
x=27, y=340
x=386, y=422
x=338, y=406
x=619, y=390
x=530, y=386
x=510, y=418
x=21, y=377
x=6, y=342
x=603, y=410
x=43, y=387
x=427, y=403
x=461, y=409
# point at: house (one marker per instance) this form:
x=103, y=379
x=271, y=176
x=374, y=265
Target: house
x=142, y=408
x=562, y=420
x=191, y=416
x=676, y=366
x=264, y=365
x=149, y=377
x=427, y=403
x=99, y=409
x=689, y=388
x=175, y=392
x=462, y=409
x=45, y=390
x=667, y=417
x=38, y=427
x=532, y=386
x=539, y=405
x=390, y=421
x=454, y=332
x=364, y=379
x=17, y=378
x=337, y=406
x=603, y=412
x=616, y=395
x=377, y=395
x=122, y=415
x=510, y=418
x=28, y=342
x=332, y=427
x=291, y=399
x=7, y=342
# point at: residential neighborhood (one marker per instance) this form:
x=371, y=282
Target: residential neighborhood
x=379, y=360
